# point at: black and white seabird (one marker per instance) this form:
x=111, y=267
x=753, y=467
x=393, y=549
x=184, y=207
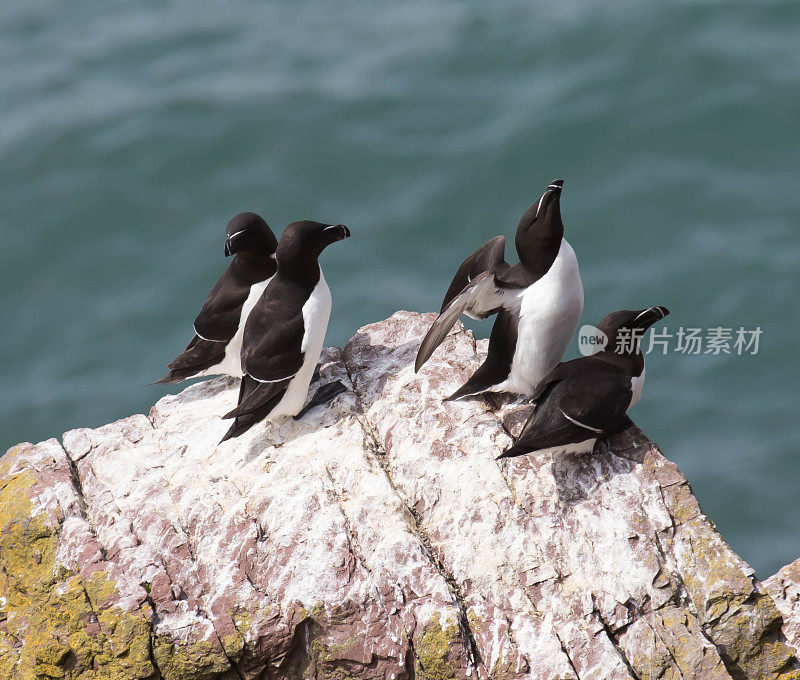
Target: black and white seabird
x=216, y=346
x=587, y=399
x=538, y=302
x=285, y=331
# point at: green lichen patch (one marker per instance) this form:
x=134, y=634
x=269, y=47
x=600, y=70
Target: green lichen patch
x=188, y=661
x=741, y=621
x=53, y=628
x=433, y=650
x=337, y=650
x=751, y=639
x=503, y=669
x=54, y=624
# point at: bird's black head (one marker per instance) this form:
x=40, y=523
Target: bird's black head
x=540, y=228
x=248, y=232
x=629, y=324
x=546, y=211
x=308, y=239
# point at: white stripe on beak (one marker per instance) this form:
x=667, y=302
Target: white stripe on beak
x=657, y=309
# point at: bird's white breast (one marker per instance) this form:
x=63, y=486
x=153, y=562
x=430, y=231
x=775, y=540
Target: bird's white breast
x=316, y=313
x=548, y=315
x=231, y=363
x=637, y=383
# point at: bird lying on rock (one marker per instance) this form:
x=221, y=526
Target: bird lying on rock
x=538, y=302
x=587, y=399
x=216, y=346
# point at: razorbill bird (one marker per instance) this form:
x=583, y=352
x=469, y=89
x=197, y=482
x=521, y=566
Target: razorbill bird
x=284, y=333
x=216, y=346
x=538, y=302
x=587, y=399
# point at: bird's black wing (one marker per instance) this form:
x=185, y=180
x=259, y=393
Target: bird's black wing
x=489, y=257
x=474, y=291
x=214, y=327
x=481, y=296
x=597, y=400
x=561, y=372
x=218, y=319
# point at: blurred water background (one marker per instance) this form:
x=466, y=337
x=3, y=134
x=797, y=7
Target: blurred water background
x=131, y=132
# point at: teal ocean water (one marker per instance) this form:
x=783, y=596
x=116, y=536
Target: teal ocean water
x=130, y=133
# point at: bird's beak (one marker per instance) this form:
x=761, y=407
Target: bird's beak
x=229, y=249
x=551, y=195
x=650, y=316
x=339, y=232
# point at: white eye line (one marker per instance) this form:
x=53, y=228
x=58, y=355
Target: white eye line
x=331, y=226
x=241, y=231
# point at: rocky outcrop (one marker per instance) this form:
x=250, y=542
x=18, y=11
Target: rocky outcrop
x=376, y=538
x=784, y=587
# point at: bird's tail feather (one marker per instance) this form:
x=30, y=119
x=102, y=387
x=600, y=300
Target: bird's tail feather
x=240, y=425
x=513, y=452
x=166, y=380
x=244, y=421
x=174, y=377
x=257, y=394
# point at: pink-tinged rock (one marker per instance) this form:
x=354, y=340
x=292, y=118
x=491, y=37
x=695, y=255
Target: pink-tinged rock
x=377, y=537
x=784, y=587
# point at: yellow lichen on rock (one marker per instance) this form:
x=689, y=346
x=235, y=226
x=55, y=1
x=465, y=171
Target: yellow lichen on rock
x=737, y=617
x=193, y=661
x=433, y=648
x=55, y=624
